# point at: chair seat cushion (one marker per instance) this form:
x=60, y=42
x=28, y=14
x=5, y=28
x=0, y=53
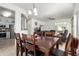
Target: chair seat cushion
x=56, y=52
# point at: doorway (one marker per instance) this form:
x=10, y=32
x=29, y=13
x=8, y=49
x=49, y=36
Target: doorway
x=7, y=41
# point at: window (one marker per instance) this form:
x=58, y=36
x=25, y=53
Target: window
x=23, y=22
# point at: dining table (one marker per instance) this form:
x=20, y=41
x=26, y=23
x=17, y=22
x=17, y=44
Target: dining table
x=44, y=43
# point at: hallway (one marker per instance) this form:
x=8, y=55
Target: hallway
x=7, y=47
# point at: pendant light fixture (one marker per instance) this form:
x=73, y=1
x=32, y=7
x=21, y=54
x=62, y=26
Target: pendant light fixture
x=33, y=11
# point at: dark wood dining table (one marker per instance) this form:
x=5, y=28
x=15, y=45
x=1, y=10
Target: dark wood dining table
x=44, y=44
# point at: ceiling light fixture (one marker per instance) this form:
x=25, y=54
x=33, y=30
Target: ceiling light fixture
x=29, y=12
x=33, y=11
x=6, y=13
x=36, y=14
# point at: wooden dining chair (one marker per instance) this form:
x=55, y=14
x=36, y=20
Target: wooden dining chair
x=74, y=46
x=55, y=51
x=68, y=45
x=18, y=43
x=49, y=34
x=39, y=33
x=33, y=48
x=29, y=44
x=24, y=44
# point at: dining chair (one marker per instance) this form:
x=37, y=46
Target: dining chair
x=29, y=44
x=18, y=43
x=55, y=51
x=74, y=46
x=33, y=48
x=65, y=35
x=68, y=45
x=24, y=44
x=49, y=34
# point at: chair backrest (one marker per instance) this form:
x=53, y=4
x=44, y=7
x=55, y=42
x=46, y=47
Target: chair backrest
x=68, y=44
x=49, y=33
x=18, y=38
x=74, y=43
x=24, y=37
x=74, y=46
x=39, y=33
x=65, y=35
x=65, y=32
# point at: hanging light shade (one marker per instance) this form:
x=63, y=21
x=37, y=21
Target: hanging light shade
x=29, y=12
x=33, y=11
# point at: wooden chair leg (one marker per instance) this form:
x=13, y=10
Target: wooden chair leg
x=73, y=52
x=17, y=51
x=57, y=46
x=26, y=51
x=22, y=51
x=65, y=53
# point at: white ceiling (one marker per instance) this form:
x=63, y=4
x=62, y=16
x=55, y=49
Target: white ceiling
x=53, y=10
x=5, y=10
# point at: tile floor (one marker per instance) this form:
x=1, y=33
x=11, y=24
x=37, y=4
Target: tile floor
x=7, y=47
